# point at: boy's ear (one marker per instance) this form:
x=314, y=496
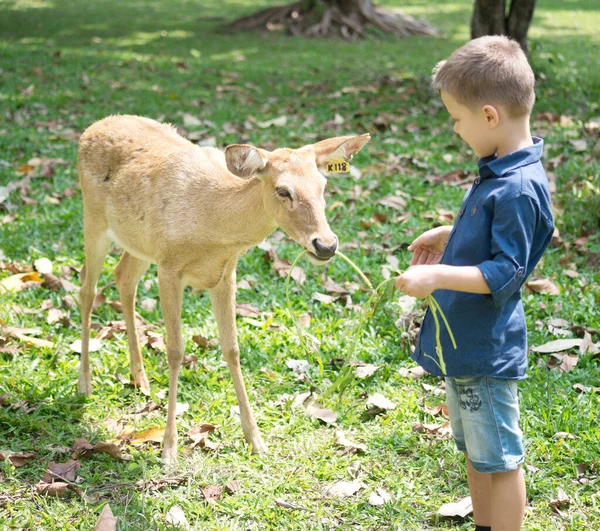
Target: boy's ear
x=491, y=115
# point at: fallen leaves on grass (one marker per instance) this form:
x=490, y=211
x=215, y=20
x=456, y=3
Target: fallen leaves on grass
x=149, y=435
x=343, y=489
x=364, y=370
x=558, y=345
x=107, y=521
x=380, y=401
x=563, y=435
x=176, y=517
x=83, y=448
x=326, y=415
x=561, y=500
x=212, y=493
x=441, y=409
x=439, y=431
x=199, y=435
x=61, y=471
x=461, y=508
x=543, y=286
x=379, y=498
x=341, y=440
x=247, y=310
x=17, y=459
x=93, y=346
x=23, y=335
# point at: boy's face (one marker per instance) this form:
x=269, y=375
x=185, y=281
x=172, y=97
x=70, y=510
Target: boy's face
x=473, y=125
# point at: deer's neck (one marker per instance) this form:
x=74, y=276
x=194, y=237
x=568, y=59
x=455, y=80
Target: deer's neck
x=239, y=215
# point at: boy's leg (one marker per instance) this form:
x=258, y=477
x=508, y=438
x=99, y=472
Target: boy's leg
x=480, y=487
x=508, y=500
x=489, y=412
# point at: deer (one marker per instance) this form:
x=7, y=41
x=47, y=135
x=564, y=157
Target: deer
x=192, y=211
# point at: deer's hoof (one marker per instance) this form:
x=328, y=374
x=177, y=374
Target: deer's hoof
x=169, y=457
x=85, y=386
x=259, y=447
x=141, y=382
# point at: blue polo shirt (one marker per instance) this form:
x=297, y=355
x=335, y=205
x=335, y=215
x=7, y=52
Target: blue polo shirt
x=504, y=226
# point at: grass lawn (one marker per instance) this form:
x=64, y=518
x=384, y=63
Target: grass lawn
x=64, y=65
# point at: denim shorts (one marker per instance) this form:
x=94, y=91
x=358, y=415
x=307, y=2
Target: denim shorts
x=484, y=417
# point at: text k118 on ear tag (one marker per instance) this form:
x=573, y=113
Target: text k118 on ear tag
x=337, y=166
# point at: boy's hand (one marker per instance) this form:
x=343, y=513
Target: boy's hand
x=428, y=247
x=418, y=281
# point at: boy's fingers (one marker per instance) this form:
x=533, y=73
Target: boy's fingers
x=416, y=256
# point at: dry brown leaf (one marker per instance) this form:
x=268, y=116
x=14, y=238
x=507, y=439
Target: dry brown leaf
x=19, y=282
x=380, y=401
x=441, y=409
x=585, y=389
x=93, y=346
x=199, y=435
x=365, y=369
x=203, y=342
x=176, y=517
x=247, y=310
x=341, y=440
x=81, y=447
x=17, y=459
x=321, y=297
x=561, y=500
x=393, y=201
x=334, y=287
x=543, y=286
x=558, y=345
x=110, y=449
x=326, y=415
x=381, y=497
x=343, y=489
x=212, y=493
x=149, y=435
x=62, y=471
x=563, y=435
x=107, y=521
x=58, y=488
x=461, y=508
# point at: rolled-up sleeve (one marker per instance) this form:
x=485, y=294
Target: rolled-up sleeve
x=513, y=230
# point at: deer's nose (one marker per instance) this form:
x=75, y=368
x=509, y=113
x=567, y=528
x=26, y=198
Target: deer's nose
x=325, y=252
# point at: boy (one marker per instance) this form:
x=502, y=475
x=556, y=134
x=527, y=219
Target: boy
x=475, y=270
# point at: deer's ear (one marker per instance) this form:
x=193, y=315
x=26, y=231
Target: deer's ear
x=245, y=161
x=339, y=147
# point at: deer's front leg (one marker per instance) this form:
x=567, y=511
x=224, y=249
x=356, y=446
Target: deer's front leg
x=170, y=289
x=222, y=299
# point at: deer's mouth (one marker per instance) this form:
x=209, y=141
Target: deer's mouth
x=316, y=260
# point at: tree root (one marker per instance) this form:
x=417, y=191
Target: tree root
x=330, y=18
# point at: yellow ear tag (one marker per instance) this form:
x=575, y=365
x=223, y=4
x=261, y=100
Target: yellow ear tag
x=337, y=166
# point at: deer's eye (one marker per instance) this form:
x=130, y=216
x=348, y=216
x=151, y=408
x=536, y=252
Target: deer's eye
x=283, y=192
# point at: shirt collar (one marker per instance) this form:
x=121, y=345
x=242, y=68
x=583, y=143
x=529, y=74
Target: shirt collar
x=492, y=165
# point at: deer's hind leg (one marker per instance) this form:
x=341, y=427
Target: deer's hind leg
x=128, y=273
x=97, y=245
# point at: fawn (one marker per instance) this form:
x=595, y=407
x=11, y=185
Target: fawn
x=192, y=211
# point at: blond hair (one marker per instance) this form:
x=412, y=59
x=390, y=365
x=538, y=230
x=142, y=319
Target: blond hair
x=490, y=69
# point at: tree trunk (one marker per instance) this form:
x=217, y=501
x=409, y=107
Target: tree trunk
x=490, y=18
x=327, y=18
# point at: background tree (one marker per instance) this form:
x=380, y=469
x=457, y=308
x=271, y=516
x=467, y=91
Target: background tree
x=326, y=18
x=490, y=17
